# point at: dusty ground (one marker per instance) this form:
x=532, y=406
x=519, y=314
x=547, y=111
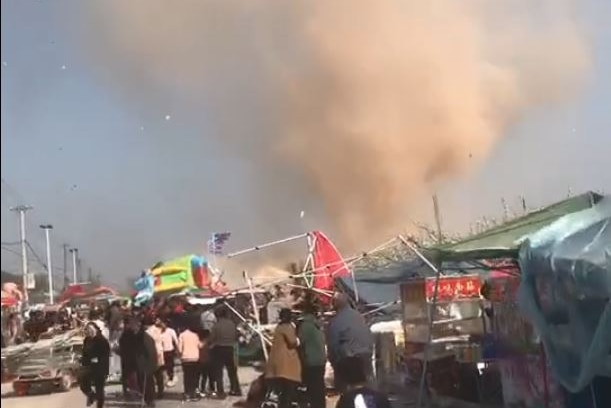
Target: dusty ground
x=75, y=399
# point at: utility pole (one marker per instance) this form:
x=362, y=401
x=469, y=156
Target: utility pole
x=437, y=218
x=48, y=228
x=65, y=248
x=22, y=209
x=74, y=252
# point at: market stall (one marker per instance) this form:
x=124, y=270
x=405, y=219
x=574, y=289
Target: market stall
x=444, y=326
x=508, y=345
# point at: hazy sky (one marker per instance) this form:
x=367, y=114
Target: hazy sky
x=80, y=153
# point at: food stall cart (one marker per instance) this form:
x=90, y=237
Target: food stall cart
x=444, y=327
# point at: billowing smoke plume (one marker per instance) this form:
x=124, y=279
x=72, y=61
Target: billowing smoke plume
x=363, y=104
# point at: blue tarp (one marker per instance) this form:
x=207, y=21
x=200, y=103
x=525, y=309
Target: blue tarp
x=565, y=290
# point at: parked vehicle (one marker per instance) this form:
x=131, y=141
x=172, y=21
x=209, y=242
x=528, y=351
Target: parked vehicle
x=52, y=365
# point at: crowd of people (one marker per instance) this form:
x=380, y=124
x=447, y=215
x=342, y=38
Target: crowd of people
x=147, y=342
x=301, y=348
x=140, y=346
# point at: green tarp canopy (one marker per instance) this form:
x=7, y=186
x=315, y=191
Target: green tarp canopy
x=504, y=240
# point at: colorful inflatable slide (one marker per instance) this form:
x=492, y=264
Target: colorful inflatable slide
x=187, y=272
x=182, y=273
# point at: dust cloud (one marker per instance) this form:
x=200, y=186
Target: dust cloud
x=365, y=106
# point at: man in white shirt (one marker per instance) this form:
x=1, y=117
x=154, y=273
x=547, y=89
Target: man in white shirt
x=96, y=317
x=154, y=331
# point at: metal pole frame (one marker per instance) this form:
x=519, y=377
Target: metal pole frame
x=431, y=316
x=266, y=245
x=242, y=318
x=309, y=262
x=256, y=313
x=321, y=269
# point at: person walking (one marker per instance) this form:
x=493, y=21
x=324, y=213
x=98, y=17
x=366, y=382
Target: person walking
x=283, y=369
x=206, y=379
x=189, y=348
x=224, y=338
x=155, y=331
x=348, y=336
x=96, y=316
x=114, y=320
x=169, y=341
x=127, y=352
x=95, y=364
x=146, y=362
x=313, y=356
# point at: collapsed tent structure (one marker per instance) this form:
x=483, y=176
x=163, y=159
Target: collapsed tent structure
x=459, y=305
x=83, y=292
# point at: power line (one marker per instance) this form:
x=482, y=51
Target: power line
x=18, y=254
x=12, y=191
x=12, y=251
x=40, y=262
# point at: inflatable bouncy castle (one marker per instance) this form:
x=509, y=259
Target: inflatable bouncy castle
x=187, y=272
x=181, y=273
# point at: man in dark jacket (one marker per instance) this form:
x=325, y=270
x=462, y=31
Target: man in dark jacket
x=95, y=361
x=224, y=338
x=145, y=357
x=348, y=336
x=313, y=358
x=128, y=347
x=357, y=393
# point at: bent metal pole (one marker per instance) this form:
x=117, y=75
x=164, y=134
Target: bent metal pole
x=266, y=245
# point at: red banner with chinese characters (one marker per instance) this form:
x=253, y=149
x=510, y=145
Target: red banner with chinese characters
x=453, y=288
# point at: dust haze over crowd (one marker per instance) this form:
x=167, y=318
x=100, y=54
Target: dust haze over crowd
x=358, y=109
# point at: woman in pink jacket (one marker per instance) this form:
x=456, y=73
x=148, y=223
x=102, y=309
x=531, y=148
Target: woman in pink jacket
x=189, y=346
